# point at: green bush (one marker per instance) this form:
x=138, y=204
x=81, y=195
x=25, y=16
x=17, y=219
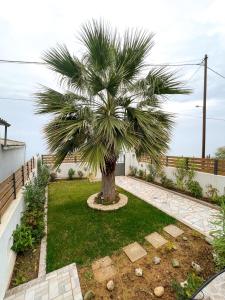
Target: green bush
x=22, y=239
x=71, y=173
x=186, y=292
x=153, y=172
x=195, y=189
x=35, y=220
x=34, y=195
x=219, y=236
x=166, y=182
x=212, y=193
x=141, y=173
x=80, y=174
x=133, y=171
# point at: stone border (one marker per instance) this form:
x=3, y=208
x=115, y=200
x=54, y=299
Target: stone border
x=43, y=248
x=122, y=202
x=214, y=206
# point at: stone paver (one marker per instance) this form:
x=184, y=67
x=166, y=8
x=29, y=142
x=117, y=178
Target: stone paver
x=191, y=213
x=134, y=251
x=215, y=290
x=103, y=269
x=156, y=240
x=173, y=230
x=60, y=284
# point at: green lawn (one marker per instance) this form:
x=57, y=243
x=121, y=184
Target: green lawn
x=79, y=234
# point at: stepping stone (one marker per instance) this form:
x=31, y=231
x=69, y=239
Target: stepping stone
x=156, y=240
x=173, y=230
x=103, y=269
x=102, y=263
x=134, y=251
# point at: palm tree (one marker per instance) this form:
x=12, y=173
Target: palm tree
x=109, y=101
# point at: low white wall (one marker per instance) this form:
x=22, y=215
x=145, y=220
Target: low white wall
x=204, y=179
x=10, y=161
x=64, y=168
x=9, y=220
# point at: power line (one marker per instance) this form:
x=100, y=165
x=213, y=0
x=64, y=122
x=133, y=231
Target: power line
x=21, y=62
x=222, y=76
x=15, y=99
x=153, y=65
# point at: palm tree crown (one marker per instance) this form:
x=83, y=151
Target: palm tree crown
x=110, y=102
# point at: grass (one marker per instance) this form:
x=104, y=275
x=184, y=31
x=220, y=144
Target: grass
x=79, y=234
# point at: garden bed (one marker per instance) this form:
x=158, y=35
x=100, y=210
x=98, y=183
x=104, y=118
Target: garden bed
x=26, y=267
x=129, y=286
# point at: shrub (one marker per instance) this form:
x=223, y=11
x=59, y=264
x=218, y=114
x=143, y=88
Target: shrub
x=167, y=183
x=53, y=176
x=22, y=239
x=153, y=171
x=133, y=171
x=71, y=173
x=212, y=193
x=219, y=236
x=34, y=195
x=43, y=174
x=80, y=174
x=181, y=173
x=141, y=173
x=195, y=189
x=186, y=292
x=35, y=220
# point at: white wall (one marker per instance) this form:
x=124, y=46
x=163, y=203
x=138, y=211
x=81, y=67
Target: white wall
x=64, y=168
x=204, y=179
x=9, y=220
x=10, y=161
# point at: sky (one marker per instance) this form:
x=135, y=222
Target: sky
x=184, y=32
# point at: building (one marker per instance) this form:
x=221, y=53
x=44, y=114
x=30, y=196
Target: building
x=12, y=153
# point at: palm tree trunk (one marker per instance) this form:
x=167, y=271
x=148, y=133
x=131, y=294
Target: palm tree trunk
x=108, y=182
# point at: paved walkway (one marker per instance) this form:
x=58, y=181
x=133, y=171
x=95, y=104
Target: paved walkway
x=191, y=213
x=62, y=284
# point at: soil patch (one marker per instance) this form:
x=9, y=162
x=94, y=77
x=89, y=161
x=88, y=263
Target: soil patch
x=26, y=267
x=130, y=287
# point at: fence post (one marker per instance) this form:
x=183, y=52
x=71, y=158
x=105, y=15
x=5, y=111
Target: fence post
x=14, y=185
x=22, y=169
x=187, y=162
x=27, y=169
x=215, y=166
x=33, y=162
x=167, y=160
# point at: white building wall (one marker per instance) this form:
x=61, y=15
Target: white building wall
x=204, y=179
x=10, y=161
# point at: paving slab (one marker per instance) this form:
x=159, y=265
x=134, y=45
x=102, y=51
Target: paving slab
x=173, y=230
x=102, y=263
x=134, y=251
x=105, y=273
x=156, y=239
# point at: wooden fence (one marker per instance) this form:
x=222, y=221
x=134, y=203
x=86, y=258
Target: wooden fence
x=11, y=185
x=206, y=165
x=49, y=159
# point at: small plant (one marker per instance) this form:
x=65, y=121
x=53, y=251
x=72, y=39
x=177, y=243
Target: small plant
x=133, y=171
x=195, y=189
x=71, y=173
x=22, y=239
x=80, y=174
x=219, y=236
x=141, y=173
x=170, y=246
x=181, y=173
x=212, y=193
x=19, y=279
x=153, y=171
x=53, y=176
x=191, y=285
x=165, y=181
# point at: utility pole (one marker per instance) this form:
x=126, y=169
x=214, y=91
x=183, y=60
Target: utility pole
x=204, y=107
